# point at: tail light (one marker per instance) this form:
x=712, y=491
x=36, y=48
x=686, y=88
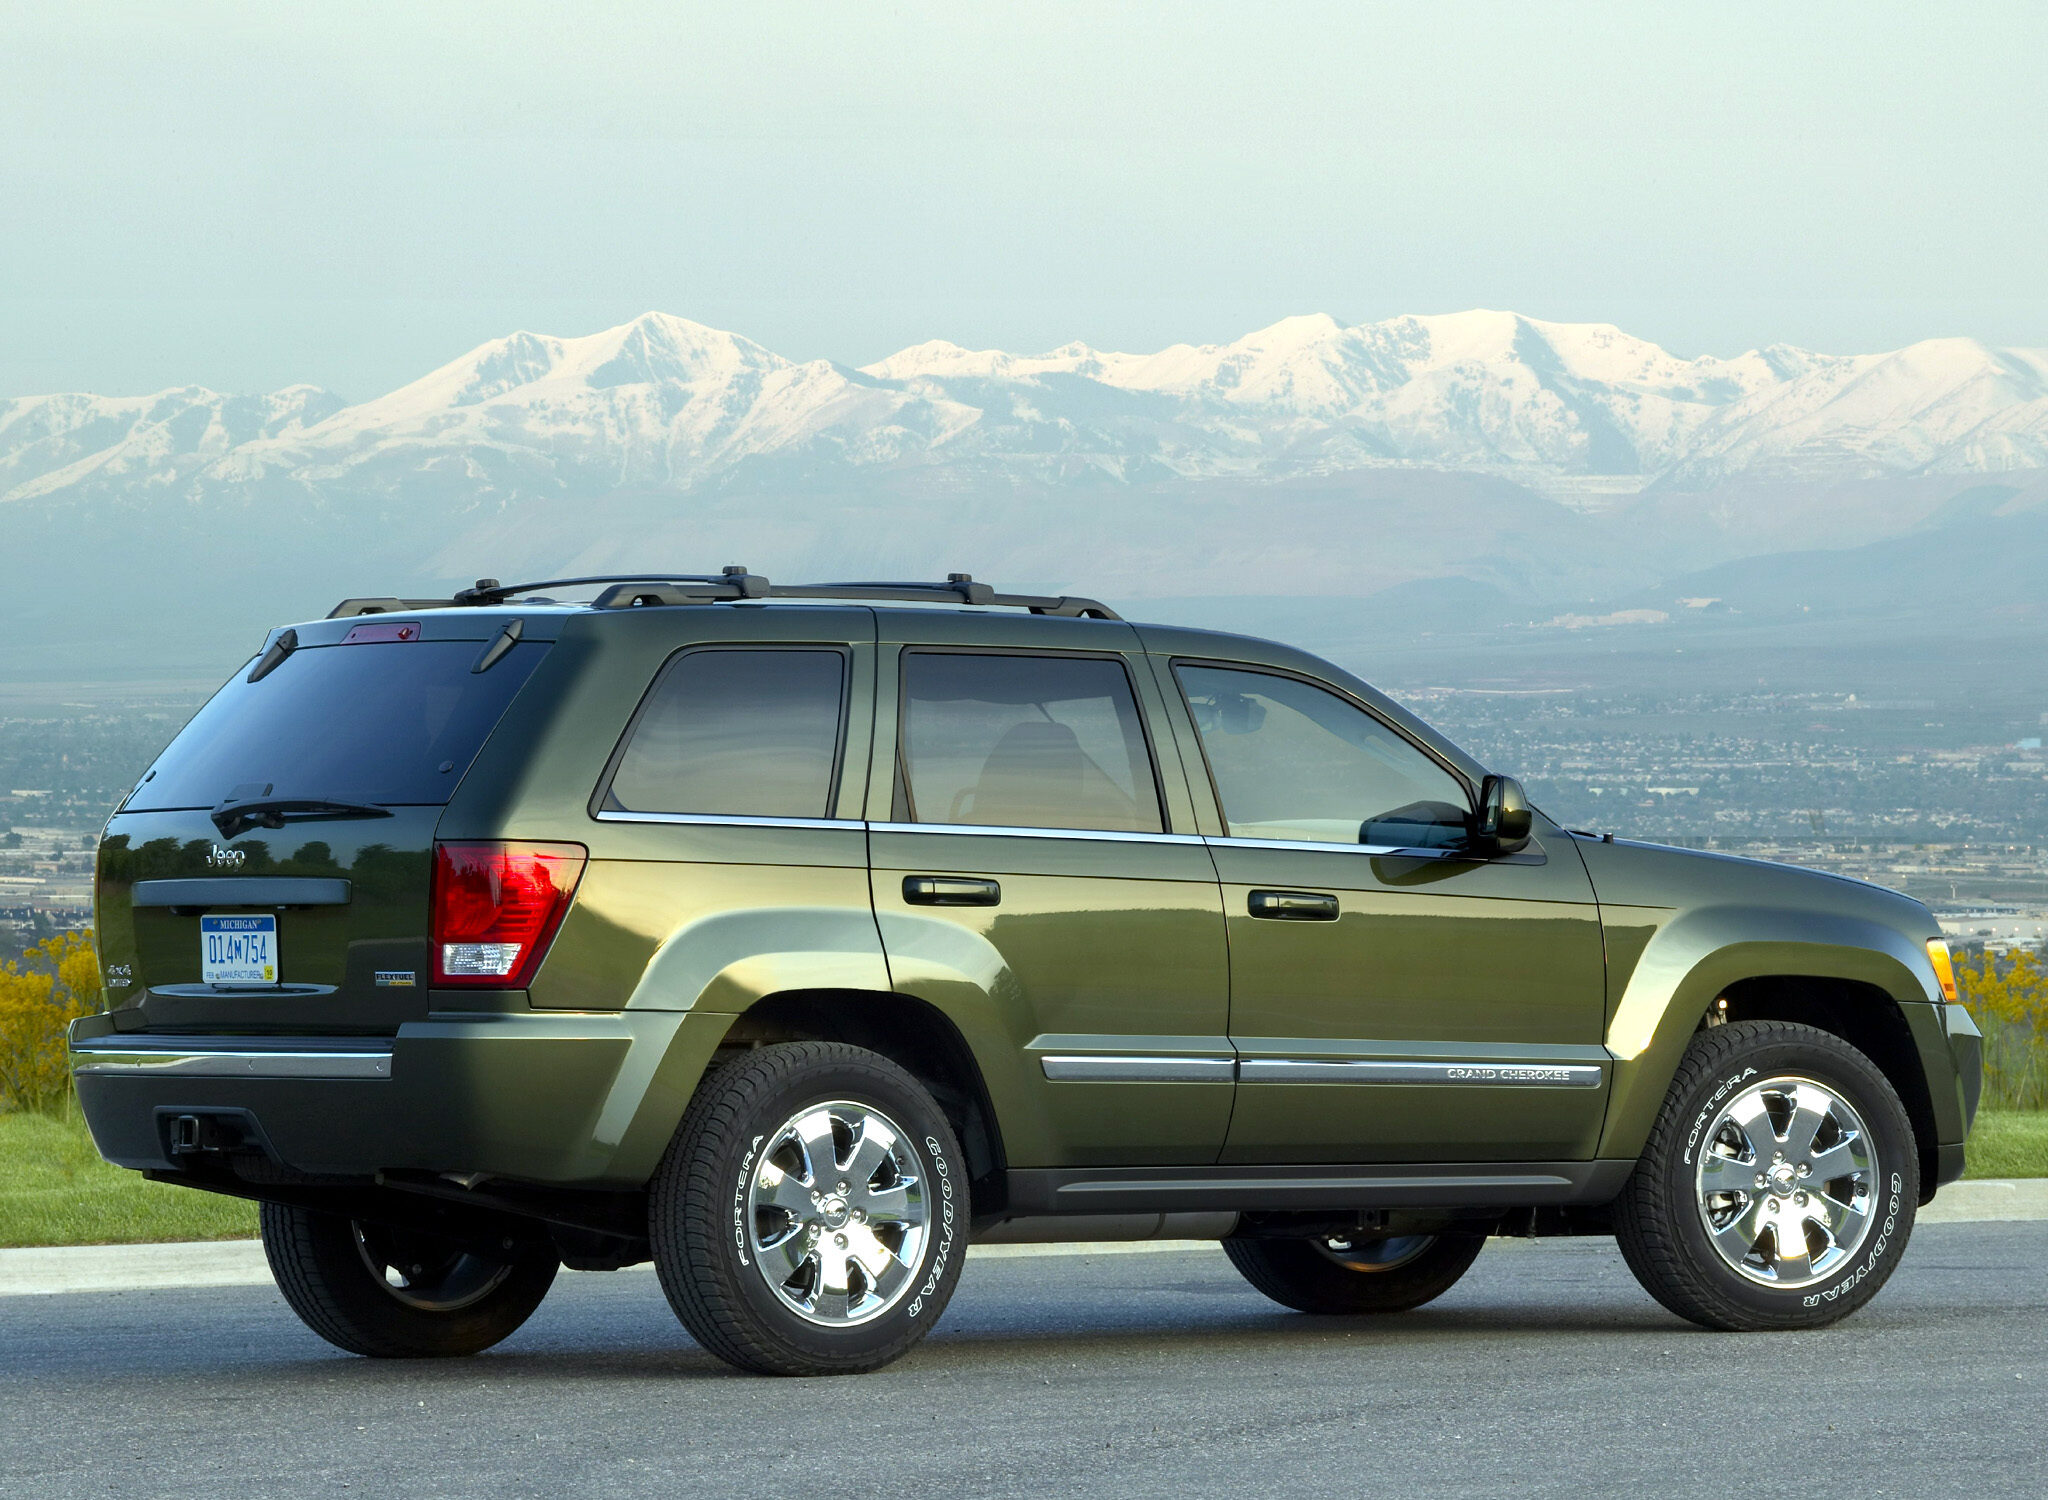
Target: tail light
x=496, y=908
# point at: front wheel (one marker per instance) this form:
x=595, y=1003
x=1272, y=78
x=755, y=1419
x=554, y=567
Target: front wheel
x=810, y=1217
x=396, y=1293
x=1779, y=1184
x=1350, y=1274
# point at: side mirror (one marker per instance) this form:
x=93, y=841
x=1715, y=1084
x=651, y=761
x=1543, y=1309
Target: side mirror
x=1504, y=822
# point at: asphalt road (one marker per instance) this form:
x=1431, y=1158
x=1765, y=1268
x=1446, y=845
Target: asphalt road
x=1546, y=1372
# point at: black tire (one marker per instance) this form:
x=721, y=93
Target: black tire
x=457, y=1303
x=706, y=1222
x=1661, y=1221
x=1344, y=1278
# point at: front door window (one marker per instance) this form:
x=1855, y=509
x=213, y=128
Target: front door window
x=1294, y=761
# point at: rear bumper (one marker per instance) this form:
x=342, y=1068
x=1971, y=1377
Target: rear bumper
x=566, y=1099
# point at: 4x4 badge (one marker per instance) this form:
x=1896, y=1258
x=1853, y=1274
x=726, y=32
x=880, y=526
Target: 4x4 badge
x=226, y=859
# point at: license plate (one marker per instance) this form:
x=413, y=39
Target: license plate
x=238, y=950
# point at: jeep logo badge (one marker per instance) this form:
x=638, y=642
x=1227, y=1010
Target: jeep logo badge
x=225, y=859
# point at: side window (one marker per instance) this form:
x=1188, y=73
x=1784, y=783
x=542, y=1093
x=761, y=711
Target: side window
x=742, y=732
x=1023, y=742
x=1294, y=761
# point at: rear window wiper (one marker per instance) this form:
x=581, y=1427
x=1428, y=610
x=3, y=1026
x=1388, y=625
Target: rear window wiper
x=242, y=811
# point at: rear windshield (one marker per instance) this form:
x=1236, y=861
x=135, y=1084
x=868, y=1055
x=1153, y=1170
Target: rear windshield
x=390, y=723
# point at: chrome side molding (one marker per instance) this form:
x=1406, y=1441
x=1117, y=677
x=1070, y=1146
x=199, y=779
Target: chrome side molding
x=1456, y=1074
x=1070, y=1069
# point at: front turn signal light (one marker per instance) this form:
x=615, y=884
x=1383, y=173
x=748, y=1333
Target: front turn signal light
x=1944, y=967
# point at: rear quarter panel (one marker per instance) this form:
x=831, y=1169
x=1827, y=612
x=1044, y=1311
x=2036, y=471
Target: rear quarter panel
x=677, y=927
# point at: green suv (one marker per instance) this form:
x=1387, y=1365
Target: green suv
x=795, y=937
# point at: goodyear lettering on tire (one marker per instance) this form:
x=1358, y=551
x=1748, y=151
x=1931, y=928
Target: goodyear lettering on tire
x=1877, y=1249
x=944, y=1173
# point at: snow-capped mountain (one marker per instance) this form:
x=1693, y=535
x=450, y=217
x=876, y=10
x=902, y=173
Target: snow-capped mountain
x=52, y=443
x=665, y=404
x=1436, y=472
x=1481, y=390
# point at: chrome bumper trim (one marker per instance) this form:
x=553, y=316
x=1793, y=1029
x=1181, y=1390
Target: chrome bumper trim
x=195, y=1057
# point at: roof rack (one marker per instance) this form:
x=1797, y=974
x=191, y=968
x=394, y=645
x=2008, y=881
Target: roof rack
x=631, y=590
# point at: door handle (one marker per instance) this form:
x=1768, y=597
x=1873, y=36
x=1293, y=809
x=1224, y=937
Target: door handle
x=1294, y=906
x=950, y=890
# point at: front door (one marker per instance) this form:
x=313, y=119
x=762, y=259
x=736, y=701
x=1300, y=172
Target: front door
x=1040, y=881
x=1417, y=1006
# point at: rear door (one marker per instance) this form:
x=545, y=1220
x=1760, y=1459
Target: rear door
x=313, y=916
x=1038, y=875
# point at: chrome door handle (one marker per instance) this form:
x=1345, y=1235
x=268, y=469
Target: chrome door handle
x=950, y=890
x=1294, y=906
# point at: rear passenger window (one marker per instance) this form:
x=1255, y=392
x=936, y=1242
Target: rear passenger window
x=739, y=732
x=1023, y=742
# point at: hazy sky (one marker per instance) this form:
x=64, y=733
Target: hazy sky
x=245, y=196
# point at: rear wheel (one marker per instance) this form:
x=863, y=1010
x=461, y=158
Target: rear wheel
x=809, y=1218
x=396, y=1293
x=1350, y=1274
x=1779, y=1184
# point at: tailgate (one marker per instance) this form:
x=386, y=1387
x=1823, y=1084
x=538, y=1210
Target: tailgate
x=273, y=870
x=339, y=910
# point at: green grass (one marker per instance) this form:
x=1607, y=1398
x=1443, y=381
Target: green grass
x=2009, y=1143
x=55, y=1190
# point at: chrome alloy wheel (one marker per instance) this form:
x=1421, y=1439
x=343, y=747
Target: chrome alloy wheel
x=1357, y=1253
x=1787, y=1182
x=837, y=1215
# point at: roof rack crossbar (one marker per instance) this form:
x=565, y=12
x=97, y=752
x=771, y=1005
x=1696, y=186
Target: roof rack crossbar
x=959, y=587
x=732, y=583
x=631, y=590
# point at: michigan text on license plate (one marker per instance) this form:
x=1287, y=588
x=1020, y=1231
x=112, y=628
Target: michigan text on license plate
x=238, y=950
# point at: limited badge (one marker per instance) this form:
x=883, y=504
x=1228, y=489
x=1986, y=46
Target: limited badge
x=403, y=979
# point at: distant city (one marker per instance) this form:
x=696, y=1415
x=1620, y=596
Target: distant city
x=1826, y=780
x=1888, y=791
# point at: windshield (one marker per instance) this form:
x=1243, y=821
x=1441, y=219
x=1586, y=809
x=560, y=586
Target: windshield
x=388, y=723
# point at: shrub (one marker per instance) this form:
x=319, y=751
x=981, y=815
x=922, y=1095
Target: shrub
x=58, y=981
x=2008, y=998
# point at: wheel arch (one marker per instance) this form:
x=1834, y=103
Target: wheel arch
x=913, y=1033
x=1867, y=983
x=1864, y=1016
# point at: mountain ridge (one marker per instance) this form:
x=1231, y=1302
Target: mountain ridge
x=665, y=402
x=1437, y=474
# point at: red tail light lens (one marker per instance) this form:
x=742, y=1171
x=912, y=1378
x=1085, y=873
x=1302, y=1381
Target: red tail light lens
x=496, y=908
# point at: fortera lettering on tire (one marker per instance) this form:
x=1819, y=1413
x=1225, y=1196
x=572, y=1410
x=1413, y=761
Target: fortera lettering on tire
x=796, y=938
x=739, y=1201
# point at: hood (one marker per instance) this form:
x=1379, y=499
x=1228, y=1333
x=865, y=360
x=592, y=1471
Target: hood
x=1628, y=873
